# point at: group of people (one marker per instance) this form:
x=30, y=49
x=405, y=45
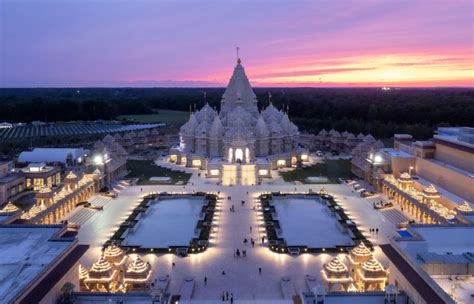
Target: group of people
x=374, y=230
x=237, y=253
x=227, y=297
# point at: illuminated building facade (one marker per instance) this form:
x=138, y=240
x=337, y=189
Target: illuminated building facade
x=238, y=135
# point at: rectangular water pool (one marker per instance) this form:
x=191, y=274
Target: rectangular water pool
x=308, y=222
x=170, y=222
x=404, y=233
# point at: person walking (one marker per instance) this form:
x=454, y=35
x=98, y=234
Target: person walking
x=205, y=281
x=259, y=270
x=244, y=253
x=173, y=265
x=263, y=239
x=250, y=228
x=253, y=242
x=227, y=296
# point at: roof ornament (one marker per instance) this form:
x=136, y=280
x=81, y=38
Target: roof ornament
x=237, y=49
x=205, y=98
x=269, y=98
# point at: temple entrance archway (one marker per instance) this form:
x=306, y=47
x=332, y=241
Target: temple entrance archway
x=239, y=155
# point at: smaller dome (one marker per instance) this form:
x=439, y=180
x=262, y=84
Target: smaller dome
x=83, y=272
x=71, y=176
x=335, y=269
x=361, y=250
x=9, y=207
x=202, y=129
x=323, y=132
x=190, y=126
x=464, y=207
x=45, y=190
x=405, y=178
x=378, y=145
x=369, y=139
x=275, y=129
x=430, y=190
x=350, y=136
x=360, y=136
x=101, y=269
x=261, y=128
x=138, y=271
x=373, y=269
x=216, y=130
x=108, y=139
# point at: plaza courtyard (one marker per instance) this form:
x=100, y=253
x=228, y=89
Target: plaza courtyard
x=241, y=276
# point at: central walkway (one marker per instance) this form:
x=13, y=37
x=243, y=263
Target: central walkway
x=241, y=274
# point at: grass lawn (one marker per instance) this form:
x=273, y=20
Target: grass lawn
x=168, y=117
x=332, y=169
x=144, y=169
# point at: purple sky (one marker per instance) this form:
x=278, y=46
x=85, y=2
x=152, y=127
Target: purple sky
x=179, y=43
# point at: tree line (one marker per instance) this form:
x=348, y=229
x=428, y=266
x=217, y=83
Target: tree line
x=366, y=110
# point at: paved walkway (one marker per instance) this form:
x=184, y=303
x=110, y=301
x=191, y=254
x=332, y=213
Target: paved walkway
x=241, y=274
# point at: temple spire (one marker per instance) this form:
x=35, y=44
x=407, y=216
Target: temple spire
x=237, y=49
x=269, y=98
x=205, y=98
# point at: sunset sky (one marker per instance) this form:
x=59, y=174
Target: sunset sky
x=68, y=43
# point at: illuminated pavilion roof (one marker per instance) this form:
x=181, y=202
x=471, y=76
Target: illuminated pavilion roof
x=360, y=253
x=430, y=191
x=336, y=269
x=102, y=270
x=372, y=269
x=9, y=207
x=71, y=175
x=138, y=271
x=114, y=254
x=464, y=207
x=83, y=272
x=405, y=177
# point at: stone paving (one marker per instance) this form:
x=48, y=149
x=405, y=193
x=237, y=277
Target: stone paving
x=241, y=274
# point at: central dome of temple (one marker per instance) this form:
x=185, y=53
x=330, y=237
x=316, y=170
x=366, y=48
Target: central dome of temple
x=240, y=132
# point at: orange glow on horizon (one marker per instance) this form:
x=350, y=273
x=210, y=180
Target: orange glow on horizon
x=396, y=70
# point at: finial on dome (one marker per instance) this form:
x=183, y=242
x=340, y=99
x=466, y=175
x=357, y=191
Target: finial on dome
x=238, y=58
x=269, y=98
x=205, y=98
